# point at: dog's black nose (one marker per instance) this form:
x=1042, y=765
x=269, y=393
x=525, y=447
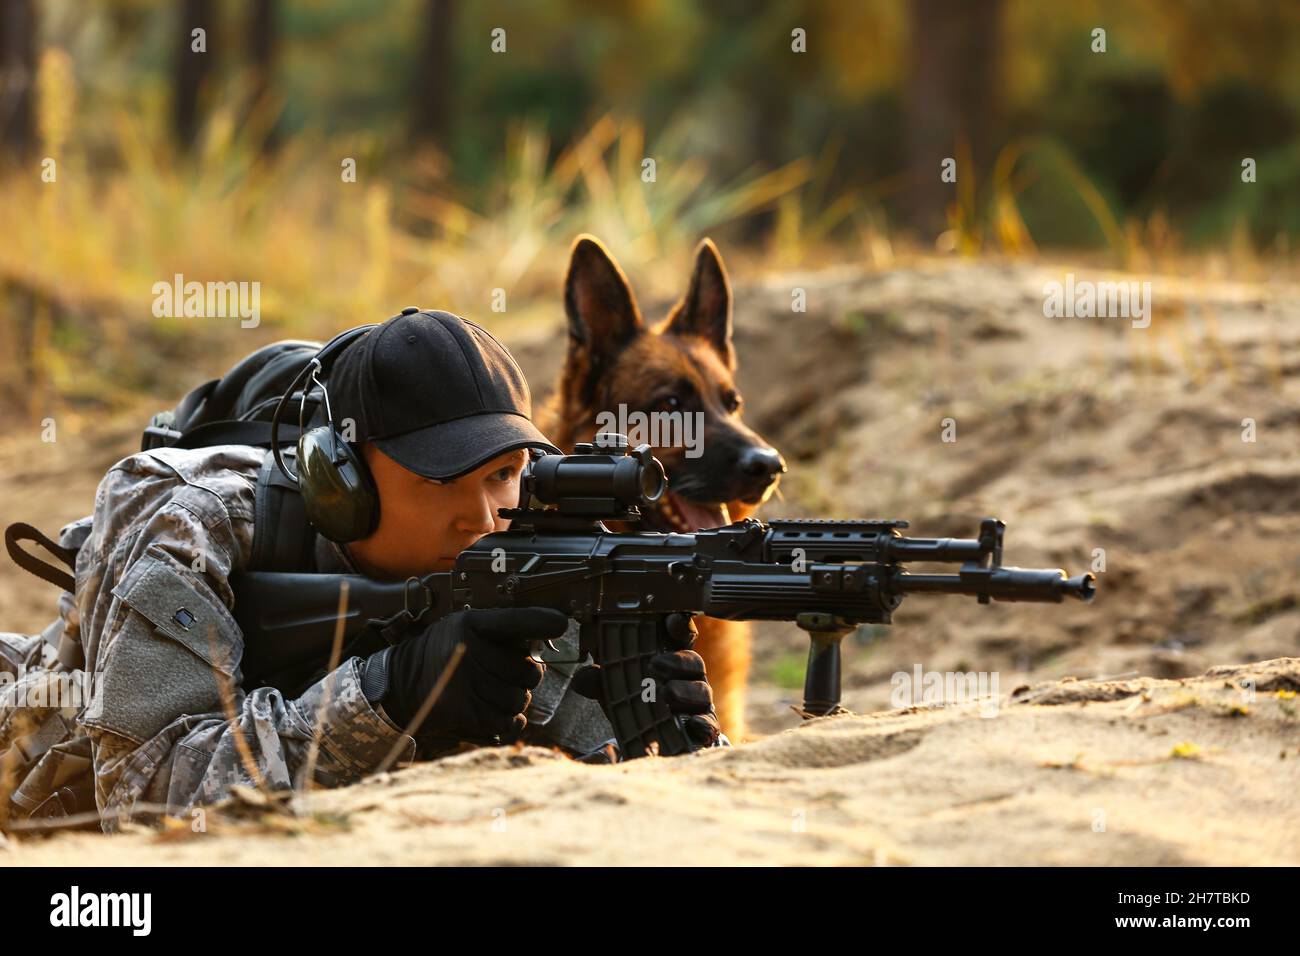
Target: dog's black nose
x=761, y=462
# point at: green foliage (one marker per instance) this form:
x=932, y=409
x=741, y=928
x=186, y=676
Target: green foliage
x=787, y=671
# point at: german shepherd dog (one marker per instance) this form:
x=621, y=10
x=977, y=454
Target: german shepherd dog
x=683, y=364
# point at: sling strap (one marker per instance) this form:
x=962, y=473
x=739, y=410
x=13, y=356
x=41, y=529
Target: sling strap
x=19, y=532
x=283, y=539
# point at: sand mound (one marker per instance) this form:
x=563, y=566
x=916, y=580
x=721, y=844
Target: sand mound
x=1195, y=771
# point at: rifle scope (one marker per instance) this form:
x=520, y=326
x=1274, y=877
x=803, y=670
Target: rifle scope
x=604, y=478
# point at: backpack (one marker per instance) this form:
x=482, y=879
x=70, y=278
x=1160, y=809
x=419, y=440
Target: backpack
x=235, y=409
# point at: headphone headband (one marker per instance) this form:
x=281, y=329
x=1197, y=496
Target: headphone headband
x=335, y=346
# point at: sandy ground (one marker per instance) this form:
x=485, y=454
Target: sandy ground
x=1142, y=772
x=1103, y=446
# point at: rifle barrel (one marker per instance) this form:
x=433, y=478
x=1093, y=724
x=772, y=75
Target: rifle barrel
x=1002, y=584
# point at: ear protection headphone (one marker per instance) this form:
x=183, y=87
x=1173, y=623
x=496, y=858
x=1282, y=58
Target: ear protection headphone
x=338, y=492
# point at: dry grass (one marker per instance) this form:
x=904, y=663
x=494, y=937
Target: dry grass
x=83, y=252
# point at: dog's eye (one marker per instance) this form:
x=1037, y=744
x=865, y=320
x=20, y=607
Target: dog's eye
x=670, y=403
x=732, y=401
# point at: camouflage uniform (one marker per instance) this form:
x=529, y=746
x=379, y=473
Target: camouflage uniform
x=162, y=654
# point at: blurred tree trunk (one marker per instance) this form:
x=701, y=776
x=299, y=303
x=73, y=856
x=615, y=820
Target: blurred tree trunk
x=434, y=74
x=263, y=48
x=952, y=98
x=191, y=68
x=17, y=77
x=760, y=75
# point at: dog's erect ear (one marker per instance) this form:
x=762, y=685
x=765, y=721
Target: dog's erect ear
x=602, y=311
x=706, y=310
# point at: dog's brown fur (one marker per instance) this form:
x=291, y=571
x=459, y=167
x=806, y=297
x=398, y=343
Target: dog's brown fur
x=614, y=358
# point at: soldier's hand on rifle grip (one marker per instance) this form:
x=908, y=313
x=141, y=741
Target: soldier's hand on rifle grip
x=486, y=695
x=684, y=682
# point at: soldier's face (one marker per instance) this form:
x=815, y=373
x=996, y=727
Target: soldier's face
x=424, y=524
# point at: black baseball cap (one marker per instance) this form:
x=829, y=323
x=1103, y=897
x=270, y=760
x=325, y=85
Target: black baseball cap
x=436, y=393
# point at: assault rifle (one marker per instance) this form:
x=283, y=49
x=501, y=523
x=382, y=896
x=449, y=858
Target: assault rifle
x=827, y=577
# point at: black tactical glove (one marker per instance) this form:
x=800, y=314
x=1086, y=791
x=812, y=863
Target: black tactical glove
x=679, y=677
x=486, y=696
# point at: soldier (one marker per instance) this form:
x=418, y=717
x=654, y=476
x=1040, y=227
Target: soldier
x=441, y=414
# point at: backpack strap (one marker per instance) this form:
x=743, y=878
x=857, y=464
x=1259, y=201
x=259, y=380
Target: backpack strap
x=233, y=433
x=283, y=539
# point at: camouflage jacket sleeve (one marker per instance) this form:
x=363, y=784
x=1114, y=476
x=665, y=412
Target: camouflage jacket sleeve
x=167, y=719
